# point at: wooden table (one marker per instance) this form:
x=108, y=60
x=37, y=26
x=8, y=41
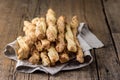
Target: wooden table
x=103, y=17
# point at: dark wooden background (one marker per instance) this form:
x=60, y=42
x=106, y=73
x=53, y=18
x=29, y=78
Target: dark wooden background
x=103, y=17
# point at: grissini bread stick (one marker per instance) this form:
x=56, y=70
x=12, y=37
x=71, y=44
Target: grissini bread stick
x=74, y=26
x=61, y=30
x=35, y=20
x=45, y=44
x=71, y=45
x=23, y=51
x=38, y=46
x=40, y=31
x=53, y=55
x=45, y=59
x=64, y=57
x=51, y=32
x=35, y=57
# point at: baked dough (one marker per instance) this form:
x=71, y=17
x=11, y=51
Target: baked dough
x=74, y=25
x=71, y=45
x=51, y=30
x=53, y=55
x=61, y=30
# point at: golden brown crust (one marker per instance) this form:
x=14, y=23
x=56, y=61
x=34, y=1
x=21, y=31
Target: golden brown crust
x=45, y=44
x=53, y=55
x=23, y=51
x=48, y=40
x=38, y=45
x=50, y=17
x=51, y=32
x=71, y=45
x=28, y=27
x=40, y=28
x=45, y=59
x=74, y=25
x=61, y=29
x=64, y=57
x=35, y=20
x=34, y=59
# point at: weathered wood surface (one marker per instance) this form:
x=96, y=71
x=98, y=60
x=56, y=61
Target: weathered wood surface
x=101, y=15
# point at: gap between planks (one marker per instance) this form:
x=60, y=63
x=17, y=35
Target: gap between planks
x=106, y=19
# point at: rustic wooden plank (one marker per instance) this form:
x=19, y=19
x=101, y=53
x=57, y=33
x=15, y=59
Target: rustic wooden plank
x=69, y=8
x=112, y=11
x=108, y=67
x=9, y=20
x=116, y=37
x=12, y=16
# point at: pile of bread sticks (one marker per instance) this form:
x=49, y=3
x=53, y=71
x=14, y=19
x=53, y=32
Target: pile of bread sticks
x=49, y=40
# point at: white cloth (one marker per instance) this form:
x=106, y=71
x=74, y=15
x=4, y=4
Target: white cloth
x=86, y=39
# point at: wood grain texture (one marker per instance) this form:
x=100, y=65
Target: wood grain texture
x=102, y=16
x=108, y=68
x=112, y=10
x=116, y=37
x=10, y=18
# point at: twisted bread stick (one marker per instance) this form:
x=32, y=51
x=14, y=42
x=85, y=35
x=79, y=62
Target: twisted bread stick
x=71, y=45
x=52, y=30
x=53, y=55
x=74, y=26
x=35, y=20
x=29, y=30
x=45, y=59
x=40, y=28
x=26, y=42
x=51, y=33
x=50, y=17
x=23, y=51
x=34, y=59
x=64, y=57
x=61, y=26
x=38, y=46
x=28, y=27
x=45, y=44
